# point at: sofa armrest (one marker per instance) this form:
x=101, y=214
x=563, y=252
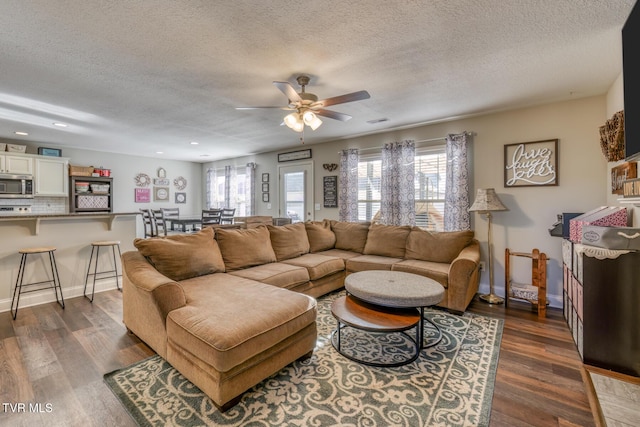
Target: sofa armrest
x=463, y=277
x=167, y=293
x=147, y=298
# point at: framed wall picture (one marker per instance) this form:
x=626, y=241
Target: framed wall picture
x=265, y=177
x=330, y=191
x=295, y=155
x=265, y=187
x=142, y=195
x=621, y=173
x=53, y=152
x=531, y=164
x=181, y=197
x=160, y=194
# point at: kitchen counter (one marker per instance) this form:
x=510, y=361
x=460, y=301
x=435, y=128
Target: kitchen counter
x=72, y=235
x=37, y=218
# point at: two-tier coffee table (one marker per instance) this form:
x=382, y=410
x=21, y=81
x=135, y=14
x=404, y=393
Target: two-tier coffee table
x=386, y=302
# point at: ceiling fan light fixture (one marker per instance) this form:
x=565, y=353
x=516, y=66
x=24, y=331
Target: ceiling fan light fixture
x=291, y=120
x=311, y=120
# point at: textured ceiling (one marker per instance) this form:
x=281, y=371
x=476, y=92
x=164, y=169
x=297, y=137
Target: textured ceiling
x=143, y=76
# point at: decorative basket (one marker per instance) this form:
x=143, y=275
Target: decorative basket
x=100, y=188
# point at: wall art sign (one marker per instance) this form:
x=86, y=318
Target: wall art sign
x=142, y=195
x=531, y=164
x=160, y=194
x=621, y=173
x=330, y=191
x=295, y=155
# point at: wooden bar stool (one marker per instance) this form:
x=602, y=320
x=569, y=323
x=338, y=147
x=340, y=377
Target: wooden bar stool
x=95, y=249
x=53, y=283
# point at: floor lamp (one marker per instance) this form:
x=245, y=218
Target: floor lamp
x=487, y=201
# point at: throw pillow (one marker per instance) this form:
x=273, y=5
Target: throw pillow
x=441, y=246
x=387, y=240
x=288, y=241
x=183, y=256
x=320, y=236
x=245, y=247
x=350, y=236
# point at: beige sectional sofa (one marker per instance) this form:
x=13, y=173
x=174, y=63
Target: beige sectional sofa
x=219, y=305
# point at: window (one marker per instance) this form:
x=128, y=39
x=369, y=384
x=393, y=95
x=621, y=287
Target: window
x=237, y=194
x=430, y=179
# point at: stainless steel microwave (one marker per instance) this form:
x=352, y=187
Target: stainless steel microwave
x=16, y=186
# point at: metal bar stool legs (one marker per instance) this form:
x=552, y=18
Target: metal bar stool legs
x=95, y=249
x=20, y=285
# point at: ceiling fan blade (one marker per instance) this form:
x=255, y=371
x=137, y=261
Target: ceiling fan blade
x=272, y=107
x=349, y=97
x=288, y=90
x=332, y=114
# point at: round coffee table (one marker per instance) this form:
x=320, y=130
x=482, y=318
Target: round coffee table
x=397, y=289
x=358, y=314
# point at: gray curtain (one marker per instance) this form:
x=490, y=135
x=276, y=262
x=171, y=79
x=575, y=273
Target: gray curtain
x=397, y=188
x=348, y=185
x=250, y=189
x=456, y=202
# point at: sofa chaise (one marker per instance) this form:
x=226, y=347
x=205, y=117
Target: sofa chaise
x=230, y=307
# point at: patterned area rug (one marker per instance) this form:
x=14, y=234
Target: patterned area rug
x=450, y=384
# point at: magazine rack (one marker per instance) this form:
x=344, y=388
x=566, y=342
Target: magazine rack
x=535, y=292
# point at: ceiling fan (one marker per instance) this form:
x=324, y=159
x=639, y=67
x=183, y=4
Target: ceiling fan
x=306, y=107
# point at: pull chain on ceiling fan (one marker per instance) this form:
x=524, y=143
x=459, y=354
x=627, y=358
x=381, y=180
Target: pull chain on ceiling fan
x=306, y=107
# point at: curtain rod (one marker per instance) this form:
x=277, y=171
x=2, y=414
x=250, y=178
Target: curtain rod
x=422, y=141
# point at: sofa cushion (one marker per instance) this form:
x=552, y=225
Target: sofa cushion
x=288, y=241
x=320, y=235
x=437, y=247
x=370, y=262
x=339, y=253
x=387, y=240
x=318, y=266
x=183, y=256
x=276, y=274
x=437, y=271
x=241, y=319
x=245, y=248
x=350, y=236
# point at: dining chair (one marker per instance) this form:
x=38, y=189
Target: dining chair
x=168, y=214
x=226, y=216
x=159, y=222
x=211, y=216
x=148, y=222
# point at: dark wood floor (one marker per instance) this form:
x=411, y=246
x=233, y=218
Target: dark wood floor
x=56, y=358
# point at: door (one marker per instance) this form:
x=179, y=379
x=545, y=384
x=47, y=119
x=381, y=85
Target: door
x=296, y=192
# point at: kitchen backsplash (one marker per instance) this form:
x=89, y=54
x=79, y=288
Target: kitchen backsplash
x=40, y=205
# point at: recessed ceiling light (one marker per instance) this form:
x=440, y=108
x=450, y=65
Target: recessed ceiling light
x=60, y=125
x=194, y=143
x=204, y=155
x=159, y=152
x=21, y=133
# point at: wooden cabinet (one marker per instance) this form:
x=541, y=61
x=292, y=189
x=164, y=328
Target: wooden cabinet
x=51, y=176
x=98, y=198
x=602, y=305
x=16, y=164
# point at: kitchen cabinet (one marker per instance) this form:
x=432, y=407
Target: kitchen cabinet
x=98, y=198
x=51, y=176
x=16, y=164
x=601, y=305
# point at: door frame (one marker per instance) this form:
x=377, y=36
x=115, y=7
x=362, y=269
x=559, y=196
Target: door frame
x=309, y=188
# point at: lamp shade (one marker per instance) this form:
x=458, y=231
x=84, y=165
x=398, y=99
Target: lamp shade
x=487, y=200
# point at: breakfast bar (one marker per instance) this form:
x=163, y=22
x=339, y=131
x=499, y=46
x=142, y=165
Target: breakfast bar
x=71, y=234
